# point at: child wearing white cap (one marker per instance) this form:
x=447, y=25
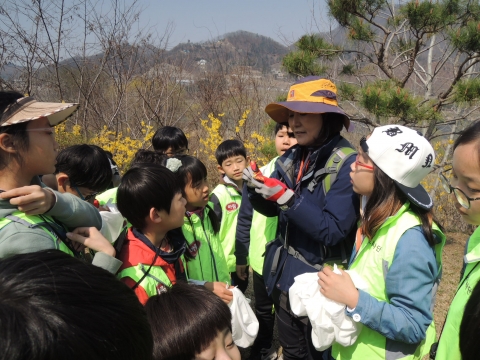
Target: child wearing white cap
x=397, y=250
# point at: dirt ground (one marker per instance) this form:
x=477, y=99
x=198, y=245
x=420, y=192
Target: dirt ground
x=452, y=264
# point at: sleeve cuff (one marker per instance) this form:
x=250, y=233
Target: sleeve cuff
x=107, y=262
x=241, y=260
x=359, y=311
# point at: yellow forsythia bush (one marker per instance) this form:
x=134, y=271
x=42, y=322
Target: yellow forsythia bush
x=252, y=141
x=122, y=146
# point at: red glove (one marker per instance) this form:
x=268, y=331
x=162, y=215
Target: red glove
x=271, y=189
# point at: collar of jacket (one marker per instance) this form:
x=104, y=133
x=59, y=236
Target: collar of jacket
x=289, y=163
x=178, y=247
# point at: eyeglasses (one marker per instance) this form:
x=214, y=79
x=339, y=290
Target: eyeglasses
x=86, y=198
x=177, y=152
x=461, y=197
x=358, y=163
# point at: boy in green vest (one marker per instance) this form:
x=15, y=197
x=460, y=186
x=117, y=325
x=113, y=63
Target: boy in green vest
x=151, y=199
x=232, y=159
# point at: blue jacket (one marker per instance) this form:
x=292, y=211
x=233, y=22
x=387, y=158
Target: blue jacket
x=316, y=223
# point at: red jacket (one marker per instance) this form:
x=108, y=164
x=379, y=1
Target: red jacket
x=135, y=251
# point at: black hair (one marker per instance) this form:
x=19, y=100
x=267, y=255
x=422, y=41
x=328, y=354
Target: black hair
x=143, y=187
x=193, y=172
x=469, y=135
x=470, y=326
x=331, y=126
x=385, y=200
x=56, y=307
x=228, y=149
x=17, y=131
x=280, y=126
x=185, y=320
x=87, y=166
x=169, y=137
x=148, y=156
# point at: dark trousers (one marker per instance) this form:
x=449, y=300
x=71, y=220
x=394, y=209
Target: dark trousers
x=294, y=333
x=241, y=284
x=265, y=317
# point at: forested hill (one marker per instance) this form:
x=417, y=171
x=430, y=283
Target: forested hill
x=240, y=48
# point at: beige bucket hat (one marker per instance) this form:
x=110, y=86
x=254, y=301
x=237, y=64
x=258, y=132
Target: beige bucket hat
x=28, y=109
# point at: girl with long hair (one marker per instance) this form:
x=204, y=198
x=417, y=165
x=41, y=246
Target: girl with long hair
x=397, y=249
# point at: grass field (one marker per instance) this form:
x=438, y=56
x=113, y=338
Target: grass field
x=452, y=264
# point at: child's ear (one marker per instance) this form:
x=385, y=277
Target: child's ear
x=220, y=169
x=248, y=160
x=7, y=144
x=62, y=181
x=155, y=216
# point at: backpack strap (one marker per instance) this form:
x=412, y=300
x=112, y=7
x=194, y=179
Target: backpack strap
x=328, y=174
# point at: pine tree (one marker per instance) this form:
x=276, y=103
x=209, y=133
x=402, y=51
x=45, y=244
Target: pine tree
x=413, y=63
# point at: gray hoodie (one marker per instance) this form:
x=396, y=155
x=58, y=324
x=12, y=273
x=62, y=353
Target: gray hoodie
x=70, y=211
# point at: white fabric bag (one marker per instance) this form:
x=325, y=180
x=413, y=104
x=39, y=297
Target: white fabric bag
x=112, y=225
x=244, y=322
x=328, y=319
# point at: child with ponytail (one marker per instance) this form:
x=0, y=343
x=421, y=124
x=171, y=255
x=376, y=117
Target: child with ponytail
x=206, y=264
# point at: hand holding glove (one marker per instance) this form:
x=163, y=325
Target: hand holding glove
x=271, y=189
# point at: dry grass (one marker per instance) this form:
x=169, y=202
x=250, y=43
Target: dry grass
x=452, y=264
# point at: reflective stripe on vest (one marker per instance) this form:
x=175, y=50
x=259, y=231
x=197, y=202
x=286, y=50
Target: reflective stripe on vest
x=156, y=281
x=374, y=258
x=229, y=200
x=35, y=221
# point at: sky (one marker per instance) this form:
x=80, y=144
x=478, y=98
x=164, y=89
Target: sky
x=200, y=20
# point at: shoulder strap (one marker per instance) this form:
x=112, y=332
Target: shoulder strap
x=328, y=174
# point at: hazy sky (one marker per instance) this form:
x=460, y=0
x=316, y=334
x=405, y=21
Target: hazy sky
x=200, y=20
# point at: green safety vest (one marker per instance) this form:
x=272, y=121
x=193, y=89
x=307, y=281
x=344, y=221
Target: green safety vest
x=229, y=200
x=156, y=281
x=108, y=197
x=35, y=221
x=370, y=261
x=448, y=346
x=263, y=230
x=209, y=263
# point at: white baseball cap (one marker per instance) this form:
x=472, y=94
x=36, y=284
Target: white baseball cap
x=405, y=156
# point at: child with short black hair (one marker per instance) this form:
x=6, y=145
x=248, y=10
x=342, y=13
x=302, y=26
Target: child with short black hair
x=150, y=197
x=83, y=170
x=171, y=141
x=197, y=325
x=232, y=159
x=57, y=307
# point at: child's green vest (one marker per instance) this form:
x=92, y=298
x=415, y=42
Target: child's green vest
x=156, y=282
x=33, y=221
x=209, y=263
x=448, y=347
x=229, y=199
x=369, y=262
x=263, y=230
x=108, y=197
